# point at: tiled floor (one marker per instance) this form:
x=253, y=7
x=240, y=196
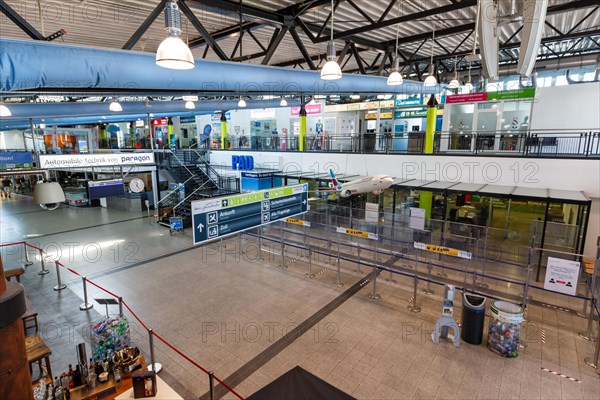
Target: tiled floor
x=223, y=310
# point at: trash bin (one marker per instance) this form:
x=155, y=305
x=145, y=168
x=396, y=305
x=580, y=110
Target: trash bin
x=505, y=328
x=472, y=319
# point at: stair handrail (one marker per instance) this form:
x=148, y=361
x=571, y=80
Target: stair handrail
x=174, y=190
x=188, y=196
x=209, y=168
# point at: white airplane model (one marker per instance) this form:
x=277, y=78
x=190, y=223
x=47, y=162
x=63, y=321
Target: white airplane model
x=373, y=183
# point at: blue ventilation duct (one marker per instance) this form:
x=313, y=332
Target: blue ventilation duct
x=158, y=108
x=43, y=66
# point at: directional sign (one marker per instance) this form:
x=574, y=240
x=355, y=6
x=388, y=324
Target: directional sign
x=297, y=222
x=354, y=232
x=223, y=216
x=443, y=250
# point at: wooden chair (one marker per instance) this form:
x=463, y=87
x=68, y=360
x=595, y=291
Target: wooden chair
x=37, y=351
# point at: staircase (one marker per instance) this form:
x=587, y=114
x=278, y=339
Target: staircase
x=191, y=168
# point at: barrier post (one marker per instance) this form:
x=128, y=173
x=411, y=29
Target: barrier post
x=482, y=284
x=44, y=271
x=211, y=383
x=59, y=286
x=85, y=305
x=374, y=295
x=337, y=282
x=391, y=278
x=427, y=289
x=27, y=262
x=526, y=286
x=594, y=361
x=588, y=335
x=240, y=242
x=151, y=344
x=260, y=243
x=414, y=307
x=310, y=274
x=120, y=307
x=358, y=271
x=329, y=251
x=282, y=247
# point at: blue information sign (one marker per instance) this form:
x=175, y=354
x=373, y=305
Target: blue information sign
x=223, y=216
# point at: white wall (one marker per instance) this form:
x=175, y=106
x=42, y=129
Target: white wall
x=567, y=107
x=593, y=229
x=12, y=140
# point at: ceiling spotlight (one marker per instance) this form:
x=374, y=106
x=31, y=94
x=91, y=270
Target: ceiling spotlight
x=395, y=77
x=355, y=96
x=430, y=80
x=189, y=105
x=454, y=84
x=242, y=103
x=468, y=86
x=283, y=102
x=115, y=106
x=189, y=98
x=331, y=70
x=173, y=53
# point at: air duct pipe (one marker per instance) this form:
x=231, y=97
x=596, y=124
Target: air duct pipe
x=79, y=69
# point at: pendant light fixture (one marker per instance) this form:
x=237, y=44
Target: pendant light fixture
x=469, y=84
x=431, y=80
x=173, y=53
x=242, y=103
x=331, y=70
x=115, y=106
x=189, y=102
x=4, y=111
x=283, y=102
x=454, y=83
x=395, y=77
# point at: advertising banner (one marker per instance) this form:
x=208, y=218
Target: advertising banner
x=94, y=160
x=15, y=159
x=311, y=109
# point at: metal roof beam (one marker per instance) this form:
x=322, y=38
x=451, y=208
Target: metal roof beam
x=202, y=30
x=302, y=49
x=217, y=6
x=18, y=20
x=275, y=40
x=144, y=26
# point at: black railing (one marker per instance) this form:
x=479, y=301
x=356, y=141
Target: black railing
x=547, y=143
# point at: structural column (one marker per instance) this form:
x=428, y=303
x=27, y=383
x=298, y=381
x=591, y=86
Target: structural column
x=171, y=135
x=302, y=135
x=15, y=379
x=425, y=198
x=224, y=130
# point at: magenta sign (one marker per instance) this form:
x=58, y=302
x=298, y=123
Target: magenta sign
x=311, y=109
x=467, y=98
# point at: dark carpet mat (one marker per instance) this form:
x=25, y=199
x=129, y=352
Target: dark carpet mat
x=299, y=384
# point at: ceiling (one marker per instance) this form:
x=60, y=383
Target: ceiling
x=294, y=34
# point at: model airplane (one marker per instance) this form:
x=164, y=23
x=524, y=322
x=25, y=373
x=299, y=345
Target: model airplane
x=373, y=183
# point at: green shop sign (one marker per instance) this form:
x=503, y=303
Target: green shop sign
x=525, y=93
x=411, y=114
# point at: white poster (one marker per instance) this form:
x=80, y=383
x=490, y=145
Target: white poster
x=371, y=212
x=562, y=276
x=94, y=160
x=417, y=218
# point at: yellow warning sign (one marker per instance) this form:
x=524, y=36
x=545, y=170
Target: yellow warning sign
x=297, y=222
x=443, y=250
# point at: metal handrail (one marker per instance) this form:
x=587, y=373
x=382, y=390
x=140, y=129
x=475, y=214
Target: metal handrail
x=174, y=190
x=188, y=196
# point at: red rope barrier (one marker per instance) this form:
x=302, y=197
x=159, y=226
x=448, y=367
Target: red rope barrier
x=11, y=244
x=176, y=350
x=134, y=315
x=34, y=247
x=101, y=288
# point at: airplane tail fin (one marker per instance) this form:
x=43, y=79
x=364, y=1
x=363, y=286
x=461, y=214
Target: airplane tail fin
x=334, y=182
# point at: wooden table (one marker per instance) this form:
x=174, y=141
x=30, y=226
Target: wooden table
x=37, y=350
x=106, y=390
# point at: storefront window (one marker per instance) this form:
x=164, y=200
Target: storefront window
x=461, y=126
